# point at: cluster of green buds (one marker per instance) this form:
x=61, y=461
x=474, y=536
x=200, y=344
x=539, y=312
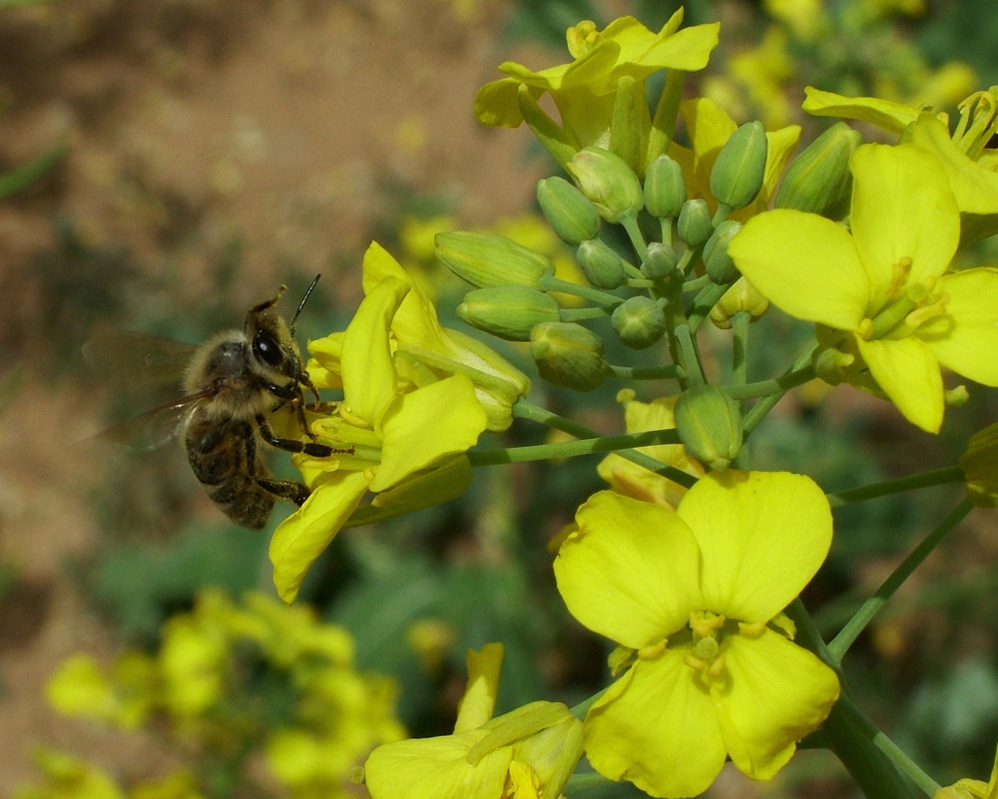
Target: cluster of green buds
x=656, y=263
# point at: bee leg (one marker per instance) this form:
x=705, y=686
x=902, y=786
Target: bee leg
x=286, y=489
x=294, y=445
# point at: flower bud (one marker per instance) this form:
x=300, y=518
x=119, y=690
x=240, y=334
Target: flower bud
x=694, y=225
x=569, y=355
x=639, y=321
x=508, y=312
x=660, y=261
x=742, y=296
x=980, y=467
x=570, y=213
x=665, y=189
x=601, y=264
x=484, y=259
x=608, y=181
x=720, y=268
x=819, y=180
x=740, y=167
x=709, y=423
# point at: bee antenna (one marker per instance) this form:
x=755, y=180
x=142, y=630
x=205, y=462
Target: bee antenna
x=308, y=291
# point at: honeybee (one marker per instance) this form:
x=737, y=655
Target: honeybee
x=230, y=383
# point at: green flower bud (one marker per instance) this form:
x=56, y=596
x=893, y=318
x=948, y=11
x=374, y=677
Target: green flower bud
x=569, y=355
x=694, y=225
x=508, y=312
x=720, y=268
x=639, y=321
x=572, y=216
x=487, y=260
x=709, y=423
x=601, y=264
x=665, y=189
x=608, y=181
x=741, y=297
x=660, y=261
x=740, y=167
x=819, y=180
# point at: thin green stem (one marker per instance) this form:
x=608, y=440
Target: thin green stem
x=763, y=388
x=670, y=372
x=579, y=314
x=862, y=617
x=552, y=283
x=936, y=477
x=702, y=304
x=571, y=449
x=766, y=404
x=688, y=354
x=630, y=223
x=739, y=348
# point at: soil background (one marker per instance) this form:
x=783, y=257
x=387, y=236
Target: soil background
x=286, y=129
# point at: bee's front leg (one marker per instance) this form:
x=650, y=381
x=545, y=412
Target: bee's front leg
x=312, y=448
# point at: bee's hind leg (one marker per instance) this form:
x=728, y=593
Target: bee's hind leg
x=285, y=489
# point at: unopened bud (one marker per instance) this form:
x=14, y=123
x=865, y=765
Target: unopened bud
x=608, y=181
x=709, y=423
x=660, y=261
x=741, y=297
x=720, y=268
x=819, y=181
x=639, y=321
x=740, y=167
x=665, y=189
x=601, y=264
x=484, y=259
x=570, y=213
x=569, y=355
x=694, y=224
x=508, y=312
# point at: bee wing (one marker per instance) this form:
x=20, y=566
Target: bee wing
x=137, y=360
x=152, y=429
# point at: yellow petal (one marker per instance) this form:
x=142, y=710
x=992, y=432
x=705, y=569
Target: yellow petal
x=779, y=692
x=656, y=728
x=426, y=425
x=908, y=373
x=902, y=208
x=804, y=264
x=965, y=338
x=436, y=768
x=303, y=536
x=479, y=700
x=763, y=536
x=886, y=115
x=629, y=571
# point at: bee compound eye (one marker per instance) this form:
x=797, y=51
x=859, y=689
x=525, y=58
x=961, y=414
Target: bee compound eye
x=266, y=348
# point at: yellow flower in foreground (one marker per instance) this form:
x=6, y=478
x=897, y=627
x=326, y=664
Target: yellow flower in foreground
x=882, y=291
x=409, y=445
x=69, y=777
x=527, y=753
x=695, y=599
x=635, y=481
x=972, y=789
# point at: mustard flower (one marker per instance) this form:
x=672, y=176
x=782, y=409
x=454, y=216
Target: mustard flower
x=527, y=753
x=881, y=293
x=635, y=481
x=69, y=777
x=972, y=789
x=79, y=687
x=694, y=598
x=584, y=90
x=409, y=442
x=709, y=127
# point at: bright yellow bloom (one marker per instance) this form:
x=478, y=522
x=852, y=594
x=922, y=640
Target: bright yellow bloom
x=525, y=754
x=972, y=789
x=80, y=688
x=69, y=777
x=694, y=598
x=635, y=481
x=409, y=440
x=585, y=90
x=882, y=291
x=709, y=127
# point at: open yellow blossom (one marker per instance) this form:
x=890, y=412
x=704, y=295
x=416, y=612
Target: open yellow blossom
x=694, y=598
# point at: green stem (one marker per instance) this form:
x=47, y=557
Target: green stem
x=688, y=353
x=702, y=304
x=862, y=617
x=630, y=223
x=670, y=372
x=552, y=283
x=936, y=477
x=780, y=385
x=766, y=404
x=571, y=449
x=586, y=782
x=579, y=314
x=523, y=409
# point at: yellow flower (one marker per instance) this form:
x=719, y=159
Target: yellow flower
x=882, y=293
x=635, y=481
x=584, y=91
x=409, y=440
x=69, y=777
x=80, y=688
x=694, y=598
x=972, y=789
x=527, y=753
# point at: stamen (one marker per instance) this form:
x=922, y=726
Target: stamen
x=978, y=122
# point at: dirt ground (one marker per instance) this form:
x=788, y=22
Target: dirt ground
x=284, y=124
